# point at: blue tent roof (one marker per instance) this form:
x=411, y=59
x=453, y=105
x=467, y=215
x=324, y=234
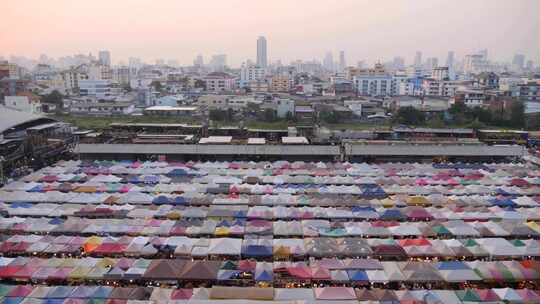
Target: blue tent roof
x=264, y=276
x=102, y=292
x=56, y=221
x=21, y=205
x=38, y=188
x=502, y=202
x=177, y=172
x=392, y=214
x=9, y=300
x=179, y=200
x=357, y=275
x=227, y=274
x=60, y=292
x=161, y=200
x=452, y=265
x=257, y=251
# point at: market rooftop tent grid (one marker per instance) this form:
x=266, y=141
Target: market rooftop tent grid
x=120, y=231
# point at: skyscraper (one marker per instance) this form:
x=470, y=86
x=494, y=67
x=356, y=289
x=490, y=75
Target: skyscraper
x=218, y=62
x=342, y=63
x=450, y=59
x=328, y=62
x=105, y=58
x=418, y=59
x=199, y=61
x=519, y=61
x=262, y=59
x=484, y=53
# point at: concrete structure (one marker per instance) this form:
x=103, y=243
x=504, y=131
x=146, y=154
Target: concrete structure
x=170, y=111
x=423, y=149
x=102, y=108
x=262, y=57
x=284, y=107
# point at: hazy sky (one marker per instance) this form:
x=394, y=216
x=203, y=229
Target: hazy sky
x=295, y=29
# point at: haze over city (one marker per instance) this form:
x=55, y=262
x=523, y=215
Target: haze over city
x=302, y=29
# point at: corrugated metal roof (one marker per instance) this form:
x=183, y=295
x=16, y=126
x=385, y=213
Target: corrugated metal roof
x=10, y=118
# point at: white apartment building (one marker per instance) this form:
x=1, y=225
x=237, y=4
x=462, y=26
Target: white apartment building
x=434, y=87
x=219, y=82
x=373, y=82
x=249, y=73
x=96, y=88
x=121, y=75
x=99, y=72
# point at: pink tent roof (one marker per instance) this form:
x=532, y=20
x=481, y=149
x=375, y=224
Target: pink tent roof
x=335, y=293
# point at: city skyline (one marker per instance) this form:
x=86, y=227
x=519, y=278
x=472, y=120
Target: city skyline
x=217, y=28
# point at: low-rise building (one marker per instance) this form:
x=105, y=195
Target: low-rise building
x=102, y=108
x=25, y=101
x=170, y=111
x=280, y=83
x=219, y=82
x=529, y=91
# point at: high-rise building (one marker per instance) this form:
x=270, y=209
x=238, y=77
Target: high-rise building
x=328, y=62
x=432, y=63
x=218, y=62
x=484, y=53
x=418, y=59
x=529, y=65
x=450, y=59
x=519, y=61
x=342, y=63
x=105, y=58
x=262, y=59
x=199, y=61
x=398, y=63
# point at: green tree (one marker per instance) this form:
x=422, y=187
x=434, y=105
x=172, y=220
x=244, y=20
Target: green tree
x=200, y=84
x=157, y=85
x=410, y=116
x=269, y=115
x=217, y=115
x=517, y=114
x=330, y=117
x=289, y=117
x=54, y=97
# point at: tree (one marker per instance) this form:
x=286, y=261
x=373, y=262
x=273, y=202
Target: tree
x=410, y=116
x=289, y=117
x=517, y=114
x=54, y=97
x=217, y=115
x=269, y=115
x=329, y=117
x=200, y=84
x=157, y=85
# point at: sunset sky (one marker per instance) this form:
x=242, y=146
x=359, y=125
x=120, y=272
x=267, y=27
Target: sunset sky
x=295, y=29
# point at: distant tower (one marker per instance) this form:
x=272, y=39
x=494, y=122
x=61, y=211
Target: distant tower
x=328, y=61
x=484, y=54
x=342, y=63
x=450, y=59
x=262, y=59
x=105, y=58
x=418, y=59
